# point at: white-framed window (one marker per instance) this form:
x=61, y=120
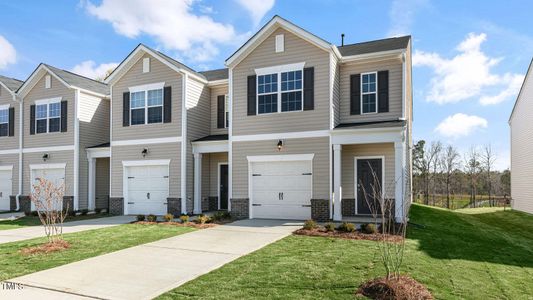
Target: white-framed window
x=146, y=107
x=4, y=121
x=226, y=112
x=369, y=94
x=280, y=92
x=48, y=116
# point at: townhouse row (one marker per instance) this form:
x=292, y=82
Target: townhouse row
x=293, y=128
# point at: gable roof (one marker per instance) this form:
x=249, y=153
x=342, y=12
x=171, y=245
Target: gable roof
x=135, y=54
x=11, y=84
x=388, y=44
x=521, y=88
x=213, y=75
x=69, y=79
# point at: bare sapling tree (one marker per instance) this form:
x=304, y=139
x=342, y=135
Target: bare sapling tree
x=450, y=163
x=431, y=156
x=390, y=219
x=488, y=160
x=472, y=170
x=47, y=197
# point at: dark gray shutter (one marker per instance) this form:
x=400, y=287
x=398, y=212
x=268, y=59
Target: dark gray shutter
x=64, y=114
x=355, y=94
x=167, y=103
x=309, y=88
x=32, y=119
x=126, y=109
x=251, y=95
x=221, y=112
x=383, y=91
x=11, y=121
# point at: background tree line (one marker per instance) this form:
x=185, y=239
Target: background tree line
x=444, y=177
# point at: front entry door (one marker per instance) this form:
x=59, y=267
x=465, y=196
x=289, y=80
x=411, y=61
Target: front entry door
x=223, y=186
x=369, y=186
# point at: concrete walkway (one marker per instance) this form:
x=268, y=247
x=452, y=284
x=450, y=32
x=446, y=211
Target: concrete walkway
x=146, y=271
x=30, y=232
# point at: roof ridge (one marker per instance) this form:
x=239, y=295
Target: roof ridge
x=75, y=74
x=12, y=78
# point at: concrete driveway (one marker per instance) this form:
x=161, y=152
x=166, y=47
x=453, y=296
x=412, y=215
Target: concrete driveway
x=30, y=232
x=146, y=271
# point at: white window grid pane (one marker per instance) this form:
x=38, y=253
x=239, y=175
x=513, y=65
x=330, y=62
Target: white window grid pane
x=291, y=81
x=155, y=97
x=137, y=99
x=41, y=111
x=267, y=84
x=54, y=110
x=4, y=116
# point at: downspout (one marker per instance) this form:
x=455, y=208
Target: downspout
x=21, y=131
x=184, y=143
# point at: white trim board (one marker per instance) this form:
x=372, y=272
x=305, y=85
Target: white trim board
x=48, y=149
x=137, y=163
x=6, y=168
x=48, y=166
x=48, y=101
x=280, y=136
x=176, y=139
x=10, y=151
x=281, y=157
x=98, y=153
x=210, y=147
x=5, y=106
x=280, y=69
x=147, y=87
x=355, y=190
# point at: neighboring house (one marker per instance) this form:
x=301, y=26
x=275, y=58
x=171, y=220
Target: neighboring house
x=522, y=146
x=9, y=141
x=63, y=113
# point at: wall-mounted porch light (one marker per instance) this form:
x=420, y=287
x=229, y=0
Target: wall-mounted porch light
x=144, y=152
x=46, y=156
x=280, y=145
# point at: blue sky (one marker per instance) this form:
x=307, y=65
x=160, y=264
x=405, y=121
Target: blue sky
x=469, y=56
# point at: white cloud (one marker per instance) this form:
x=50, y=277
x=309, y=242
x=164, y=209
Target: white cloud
x=172, y=23
x=8, y=54
x=402, y=14
x=89, y=69
x=460, y=125
x=468, y=74
x=257, y=8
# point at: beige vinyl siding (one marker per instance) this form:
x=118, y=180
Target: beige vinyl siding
x=198, y=126
x=215, y=92
x=349, y=152
x=39, y=92
x=56, y=157
x=155, y=152
x=10, y=142
x=12, y=160
x=522, y=149
x=210, y=162
x=102, y=183
x=134, y=77
x=94, y=130
x=336, y=93
x=317, y=146
x=395, y=89
x=296, y=50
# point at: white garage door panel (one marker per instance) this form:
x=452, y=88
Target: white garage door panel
x=147, y=190
x=300, y=182
x=6, y=184
x=282, y=212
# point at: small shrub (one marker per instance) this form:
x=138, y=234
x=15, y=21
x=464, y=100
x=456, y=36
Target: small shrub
x=151, y=218
x=168, y=217
x=27, y=213
x=141, y=218
x=84, y=212
x=369, y=228
x=329, y=227
x=221, y=215
x=184, y=219
x=34, y=213
x=97, y=210
x=202, y=219
x=310, y=224
x=71, y=213
x=346, y=227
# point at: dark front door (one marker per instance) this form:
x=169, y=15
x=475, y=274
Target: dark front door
x=369, y=186
x=223, y=186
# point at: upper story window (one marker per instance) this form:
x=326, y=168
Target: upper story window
x=369, y=93
x=4, y=121
x=146, y=107
x=267, y=91
x=279, y=92
x=226, y=111
x=48, y=117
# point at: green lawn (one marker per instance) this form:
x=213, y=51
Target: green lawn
x=83, y=245
x=482, y=254
x=34, y=221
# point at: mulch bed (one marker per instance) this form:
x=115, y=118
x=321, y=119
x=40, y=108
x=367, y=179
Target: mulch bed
x=46, y=248
x=402, y=288
x=188, y=224
x=356, y=235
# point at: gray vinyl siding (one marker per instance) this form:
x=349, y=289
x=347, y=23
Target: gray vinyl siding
x=10, y=142
x=39, y=92
x=56, y=157
x=215, y=92
x=133, y=153
x=522, y=149
x=349, y=152
x=395, y=89
x=296, y=50
x=94, y=130
x=134, y=77
x=102, y=183
x=198, y=107
x=318, y=146
x=8, y=160
x=335, y=77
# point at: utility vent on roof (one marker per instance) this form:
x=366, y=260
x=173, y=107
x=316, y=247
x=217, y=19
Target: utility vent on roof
x=47, y=81
x=280, y=43
x=146, y=65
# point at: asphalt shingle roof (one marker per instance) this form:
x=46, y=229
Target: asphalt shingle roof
x=80, y=81
x=372, y=124
x=213, y=75
x=375, y=46
x=11, y=83
x=214, y=137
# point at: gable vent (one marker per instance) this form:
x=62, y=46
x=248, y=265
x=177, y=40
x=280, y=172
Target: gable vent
x=146, y=65
x=47, y=82
x=280, y=43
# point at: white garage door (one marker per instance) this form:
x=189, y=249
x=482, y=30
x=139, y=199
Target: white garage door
x=147, y=190
x=6, y=184
x=282, y=190
x=56, y=176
